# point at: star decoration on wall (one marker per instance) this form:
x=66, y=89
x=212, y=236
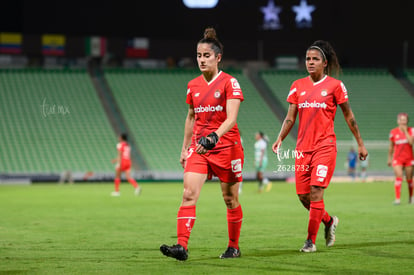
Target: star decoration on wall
x=271, y=16
x=303, y=14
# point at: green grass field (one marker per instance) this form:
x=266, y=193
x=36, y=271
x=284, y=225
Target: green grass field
x=80, y=229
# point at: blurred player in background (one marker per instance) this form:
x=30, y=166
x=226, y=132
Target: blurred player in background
x=315, y=99
x=352, y=162
x=260, y=161
x=211, y=146
x=400, y=156
x=123, y=162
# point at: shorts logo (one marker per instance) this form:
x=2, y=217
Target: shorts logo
x=236, y=165
x=321, y=171
x=190, y=152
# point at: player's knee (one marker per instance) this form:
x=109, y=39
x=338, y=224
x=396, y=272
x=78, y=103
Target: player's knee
x=231, y=200
x=305, y=200
x=190, y=195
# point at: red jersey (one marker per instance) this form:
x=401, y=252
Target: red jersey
x=209, y=100
x=403, y=151
x=125, y=150
x=317, y=103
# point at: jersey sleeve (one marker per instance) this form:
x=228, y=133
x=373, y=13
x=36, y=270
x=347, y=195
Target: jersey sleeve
x=391, y=136
x=293, y=96
x=233, y=90
x=341, y=94
x=189, y=99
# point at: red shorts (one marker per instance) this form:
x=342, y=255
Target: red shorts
x=226, y=164
x=125, y=165
x=402, y=162
x=315, y=168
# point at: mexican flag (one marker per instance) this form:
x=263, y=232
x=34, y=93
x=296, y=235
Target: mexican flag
x=95, y=46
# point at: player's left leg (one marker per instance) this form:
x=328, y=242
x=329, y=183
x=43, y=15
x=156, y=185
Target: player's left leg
x=322, y=166
x=398, y=171
x=234, y=218
x=409, y=177
x=117, y=182
x=132, y=181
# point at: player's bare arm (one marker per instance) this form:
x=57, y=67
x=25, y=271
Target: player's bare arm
x=188, y=132
x=353, y=126
x=286, y=126
x=232, y=110
x=390, y=153
x=410, y=138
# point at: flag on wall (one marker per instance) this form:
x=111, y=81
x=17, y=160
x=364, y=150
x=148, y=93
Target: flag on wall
x=95, y=46
x=10, y=43
x=53, y=44
x=137, y=47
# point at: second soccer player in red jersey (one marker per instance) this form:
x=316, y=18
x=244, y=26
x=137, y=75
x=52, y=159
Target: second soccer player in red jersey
x=211, y=146
x=400, y=156
x=123, y=161
x=315, y=99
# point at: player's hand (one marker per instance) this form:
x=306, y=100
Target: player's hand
x=362, y=152
x=183, y=158
x=209, y=142
x=276, y=146
x=403, y=128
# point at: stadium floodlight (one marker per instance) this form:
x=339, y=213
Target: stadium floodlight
x=200, y=4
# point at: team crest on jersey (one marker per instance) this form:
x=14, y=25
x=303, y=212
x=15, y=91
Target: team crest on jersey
x=234, y=83
x=324, y=93
x=303, y=93
x=217, y=94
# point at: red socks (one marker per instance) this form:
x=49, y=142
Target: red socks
x=397, y=187
x=316, y=212
x=187, y=215
x=185, y=221
x=133, y=182
x=234, y=222
x=117, y=183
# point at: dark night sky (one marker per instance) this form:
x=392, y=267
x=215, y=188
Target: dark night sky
x=365, y=26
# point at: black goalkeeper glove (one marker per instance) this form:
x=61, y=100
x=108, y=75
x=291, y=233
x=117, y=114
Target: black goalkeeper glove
x=209, y=143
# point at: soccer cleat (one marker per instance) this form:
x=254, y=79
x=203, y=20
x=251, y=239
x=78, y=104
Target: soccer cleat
x=309, y=246
x=137, y=191
x=231, y=252
x=330, y=231
x=268, y=187
x=115, y=194
x=410, y=200
x=176, y=251
x=397, y=202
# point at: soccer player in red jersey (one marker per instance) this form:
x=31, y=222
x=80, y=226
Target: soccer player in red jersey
x=211, y=146
x=124, y=165
x=315, y=99
x=400, y=156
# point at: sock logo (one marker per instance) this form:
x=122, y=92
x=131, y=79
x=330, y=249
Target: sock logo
x=188, y=225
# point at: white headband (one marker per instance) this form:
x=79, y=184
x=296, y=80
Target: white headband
x=319, y=49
